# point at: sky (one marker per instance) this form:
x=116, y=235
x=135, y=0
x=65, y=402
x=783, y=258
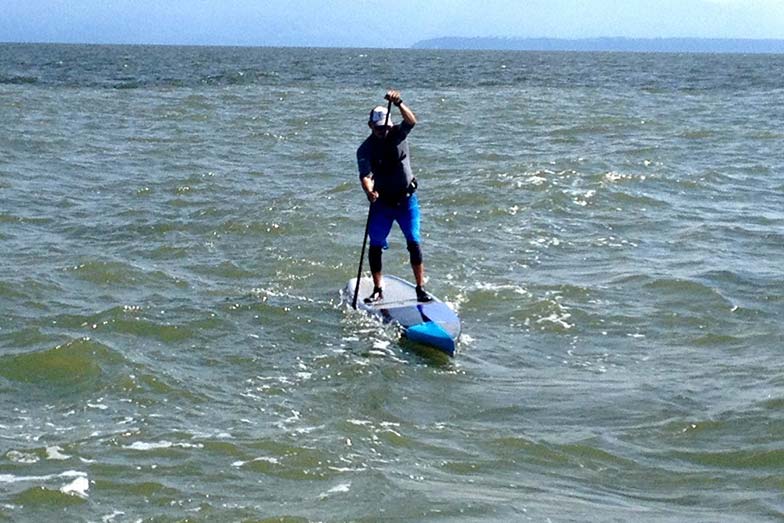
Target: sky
x=376, y=23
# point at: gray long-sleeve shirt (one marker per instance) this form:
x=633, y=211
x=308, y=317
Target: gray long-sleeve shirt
x=388, y=161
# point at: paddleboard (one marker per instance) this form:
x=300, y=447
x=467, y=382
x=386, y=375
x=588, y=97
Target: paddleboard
x=432, y=323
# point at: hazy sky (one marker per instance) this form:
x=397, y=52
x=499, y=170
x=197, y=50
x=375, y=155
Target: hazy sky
x=376, y=23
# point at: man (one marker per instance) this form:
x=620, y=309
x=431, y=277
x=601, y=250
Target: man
x=386, y=176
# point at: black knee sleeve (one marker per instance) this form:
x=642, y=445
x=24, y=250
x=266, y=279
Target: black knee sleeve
x=374, y=257
x=415, y=252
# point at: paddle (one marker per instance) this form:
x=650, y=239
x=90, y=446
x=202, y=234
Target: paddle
x=367, y=227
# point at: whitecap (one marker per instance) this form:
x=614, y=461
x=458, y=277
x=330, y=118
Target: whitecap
x=265, y=459
x=558, y=320
x=27, y=458
x=337, y=489
x=56, y=453
x=110, y=517
x=143, y=446
x=77, y=487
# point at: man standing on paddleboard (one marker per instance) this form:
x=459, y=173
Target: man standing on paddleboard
x=385, y=173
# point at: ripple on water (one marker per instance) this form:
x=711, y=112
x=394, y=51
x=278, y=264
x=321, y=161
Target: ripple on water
x=288, y=461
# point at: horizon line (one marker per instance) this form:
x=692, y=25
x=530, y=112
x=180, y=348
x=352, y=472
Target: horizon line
x=414, y=46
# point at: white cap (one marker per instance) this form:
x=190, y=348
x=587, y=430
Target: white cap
x=378, y=116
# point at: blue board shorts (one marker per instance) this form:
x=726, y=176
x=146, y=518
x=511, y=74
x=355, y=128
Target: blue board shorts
x=381, y=217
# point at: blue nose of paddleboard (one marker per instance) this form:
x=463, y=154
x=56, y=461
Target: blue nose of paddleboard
x=430, y=333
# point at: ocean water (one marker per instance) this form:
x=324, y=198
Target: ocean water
x=176, y=224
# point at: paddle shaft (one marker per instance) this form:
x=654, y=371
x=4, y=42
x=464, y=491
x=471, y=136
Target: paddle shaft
x=367, y=227
x=361, y=259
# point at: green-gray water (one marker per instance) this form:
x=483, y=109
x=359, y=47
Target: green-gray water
x=176, y=224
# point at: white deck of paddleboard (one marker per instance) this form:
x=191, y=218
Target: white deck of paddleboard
x=397, y=293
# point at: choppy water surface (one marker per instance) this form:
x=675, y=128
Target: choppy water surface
x=176, y=224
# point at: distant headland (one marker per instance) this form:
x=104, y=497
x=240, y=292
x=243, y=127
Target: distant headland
x=638, y=45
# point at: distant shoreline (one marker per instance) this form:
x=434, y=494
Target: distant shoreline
x=639, y=45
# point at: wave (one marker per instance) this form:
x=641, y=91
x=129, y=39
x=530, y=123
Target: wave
x=136, y=321
x=688, y=293
x=78, y=363
x=18, y=80
x=120, y=273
